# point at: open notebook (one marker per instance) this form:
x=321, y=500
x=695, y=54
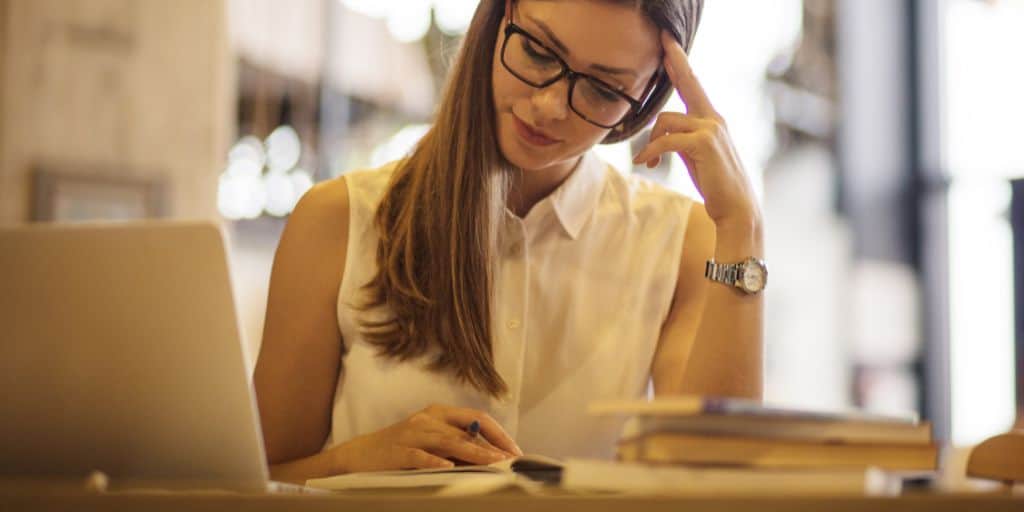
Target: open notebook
x=586, y=476
x=534, y=467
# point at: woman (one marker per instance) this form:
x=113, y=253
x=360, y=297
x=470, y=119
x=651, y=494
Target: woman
x=503, y=275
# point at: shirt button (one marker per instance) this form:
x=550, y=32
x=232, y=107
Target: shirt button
x=513, y=324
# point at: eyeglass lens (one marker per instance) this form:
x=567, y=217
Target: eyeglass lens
x=536, y=65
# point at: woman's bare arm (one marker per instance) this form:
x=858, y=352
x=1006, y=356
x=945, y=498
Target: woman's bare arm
x=300, y=356
x=712, y=342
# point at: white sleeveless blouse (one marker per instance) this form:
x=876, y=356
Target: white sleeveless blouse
x=583, y=287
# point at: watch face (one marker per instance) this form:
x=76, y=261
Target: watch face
x=753, y=277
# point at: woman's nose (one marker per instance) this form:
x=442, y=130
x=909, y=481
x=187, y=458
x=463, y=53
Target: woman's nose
x=551, y=103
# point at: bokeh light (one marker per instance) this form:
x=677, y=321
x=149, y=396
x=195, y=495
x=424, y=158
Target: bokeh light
x=262, y=177
x=283, y=148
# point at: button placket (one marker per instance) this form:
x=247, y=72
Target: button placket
x=512, y=302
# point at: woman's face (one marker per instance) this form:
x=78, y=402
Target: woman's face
x=614, y=43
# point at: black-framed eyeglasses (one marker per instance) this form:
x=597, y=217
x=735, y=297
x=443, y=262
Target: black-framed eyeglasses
x=596, y=101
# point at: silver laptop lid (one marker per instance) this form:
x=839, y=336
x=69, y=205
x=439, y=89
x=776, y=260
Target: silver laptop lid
x=121, y=352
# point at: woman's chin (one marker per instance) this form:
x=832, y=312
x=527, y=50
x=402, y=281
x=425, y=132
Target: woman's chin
x=523, y=162
x=515, y=152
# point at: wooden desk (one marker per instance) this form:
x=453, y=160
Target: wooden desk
x=83, y=502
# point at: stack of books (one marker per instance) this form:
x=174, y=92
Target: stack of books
x=724, y=433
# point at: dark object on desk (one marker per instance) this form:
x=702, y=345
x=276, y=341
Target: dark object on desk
x=540, y=471
x=999, y=458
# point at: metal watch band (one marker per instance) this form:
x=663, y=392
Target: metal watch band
x=722, y=273
x=735, y=274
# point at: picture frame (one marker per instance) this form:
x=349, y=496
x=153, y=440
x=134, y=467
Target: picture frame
x=83, y=195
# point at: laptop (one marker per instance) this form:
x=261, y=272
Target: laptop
x=121, y=352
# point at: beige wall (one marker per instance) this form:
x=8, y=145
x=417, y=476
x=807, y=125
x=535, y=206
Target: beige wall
x=134, y=87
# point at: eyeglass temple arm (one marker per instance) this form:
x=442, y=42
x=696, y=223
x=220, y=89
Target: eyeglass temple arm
x=649, y=89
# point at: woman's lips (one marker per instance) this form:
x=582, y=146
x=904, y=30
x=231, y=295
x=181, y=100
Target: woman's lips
x=531, y=135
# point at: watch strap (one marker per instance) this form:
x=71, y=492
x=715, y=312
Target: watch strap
x=734, y=274
x=727, y=273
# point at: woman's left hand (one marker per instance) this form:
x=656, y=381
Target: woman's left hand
x=701, y=139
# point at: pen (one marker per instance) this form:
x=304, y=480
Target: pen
x=473, y=429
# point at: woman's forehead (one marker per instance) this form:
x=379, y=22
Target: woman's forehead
x=594, y=32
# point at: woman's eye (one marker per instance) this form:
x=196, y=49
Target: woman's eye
x=536, y=53
x=603, y=93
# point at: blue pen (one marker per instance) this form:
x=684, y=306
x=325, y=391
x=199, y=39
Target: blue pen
x=473, y=429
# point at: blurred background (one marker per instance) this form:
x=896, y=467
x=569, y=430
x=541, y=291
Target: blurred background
x=884, y=138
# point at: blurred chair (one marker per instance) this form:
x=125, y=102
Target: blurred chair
x=999, y=458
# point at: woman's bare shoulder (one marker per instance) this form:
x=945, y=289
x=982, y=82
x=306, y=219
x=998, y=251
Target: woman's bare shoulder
x=327, y=199
x=321, y=215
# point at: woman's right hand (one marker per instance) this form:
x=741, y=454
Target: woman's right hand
x=427, y=439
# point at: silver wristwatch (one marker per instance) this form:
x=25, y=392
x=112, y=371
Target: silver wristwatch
x=749, y=275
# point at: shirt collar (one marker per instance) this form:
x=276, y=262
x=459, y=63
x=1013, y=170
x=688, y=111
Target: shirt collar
x=575, y=199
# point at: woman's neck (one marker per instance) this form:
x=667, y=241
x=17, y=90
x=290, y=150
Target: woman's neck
x=531, y=187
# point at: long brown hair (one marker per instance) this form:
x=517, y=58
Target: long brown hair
x=438, y=220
